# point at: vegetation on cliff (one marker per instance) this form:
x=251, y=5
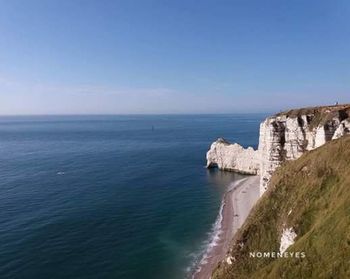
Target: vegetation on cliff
x=318, y=116
x=311, y=195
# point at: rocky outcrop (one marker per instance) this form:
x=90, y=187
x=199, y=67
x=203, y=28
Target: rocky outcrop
x=233, y=157
x=287, y=239
x=284, y=136
x=343, y=129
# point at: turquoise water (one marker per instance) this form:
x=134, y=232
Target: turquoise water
x=110, y=196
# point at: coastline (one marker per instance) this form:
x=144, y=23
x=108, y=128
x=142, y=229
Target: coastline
x=236, y=205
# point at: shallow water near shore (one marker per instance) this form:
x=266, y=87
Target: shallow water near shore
x=111, y=196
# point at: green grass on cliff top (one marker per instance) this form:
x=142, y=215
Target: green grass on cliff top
x=319, y=116
x=316, y=188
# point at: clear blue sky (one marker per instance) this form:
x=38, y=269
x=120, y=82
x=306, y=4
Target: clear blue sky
x=74, y=57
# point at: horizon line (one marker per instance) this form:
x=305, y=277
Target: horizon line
x=136, y=114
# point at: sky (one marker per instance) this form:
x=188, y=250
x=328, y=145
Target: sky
x=183, y=56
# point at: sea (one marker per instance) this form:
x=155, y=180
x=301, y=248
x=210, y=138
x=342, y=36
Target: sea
x=117, y=196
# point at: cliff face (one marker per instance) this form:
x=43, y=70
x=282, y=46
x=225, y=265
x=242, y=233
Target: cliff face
x=284, y=136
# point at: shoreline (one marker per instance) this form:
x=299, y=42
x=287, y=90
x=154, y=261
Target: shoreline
x=236, y=205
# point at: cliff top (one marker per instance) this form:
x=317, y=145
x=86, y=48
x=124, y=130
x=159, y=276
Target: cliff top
x=315, y=110
x=222, y=140
x=320, y=115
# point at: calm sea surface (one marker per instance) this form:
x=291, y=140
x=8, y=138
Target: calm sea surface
x=110, y=196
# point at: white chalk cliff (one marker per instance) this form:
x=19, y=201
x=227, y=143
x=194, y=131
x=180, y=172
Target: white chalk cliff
x=233, y=157
x=284, y=136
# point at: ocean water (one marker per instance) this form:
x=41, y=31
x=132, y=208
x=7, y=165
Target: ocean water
x=111, y=196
